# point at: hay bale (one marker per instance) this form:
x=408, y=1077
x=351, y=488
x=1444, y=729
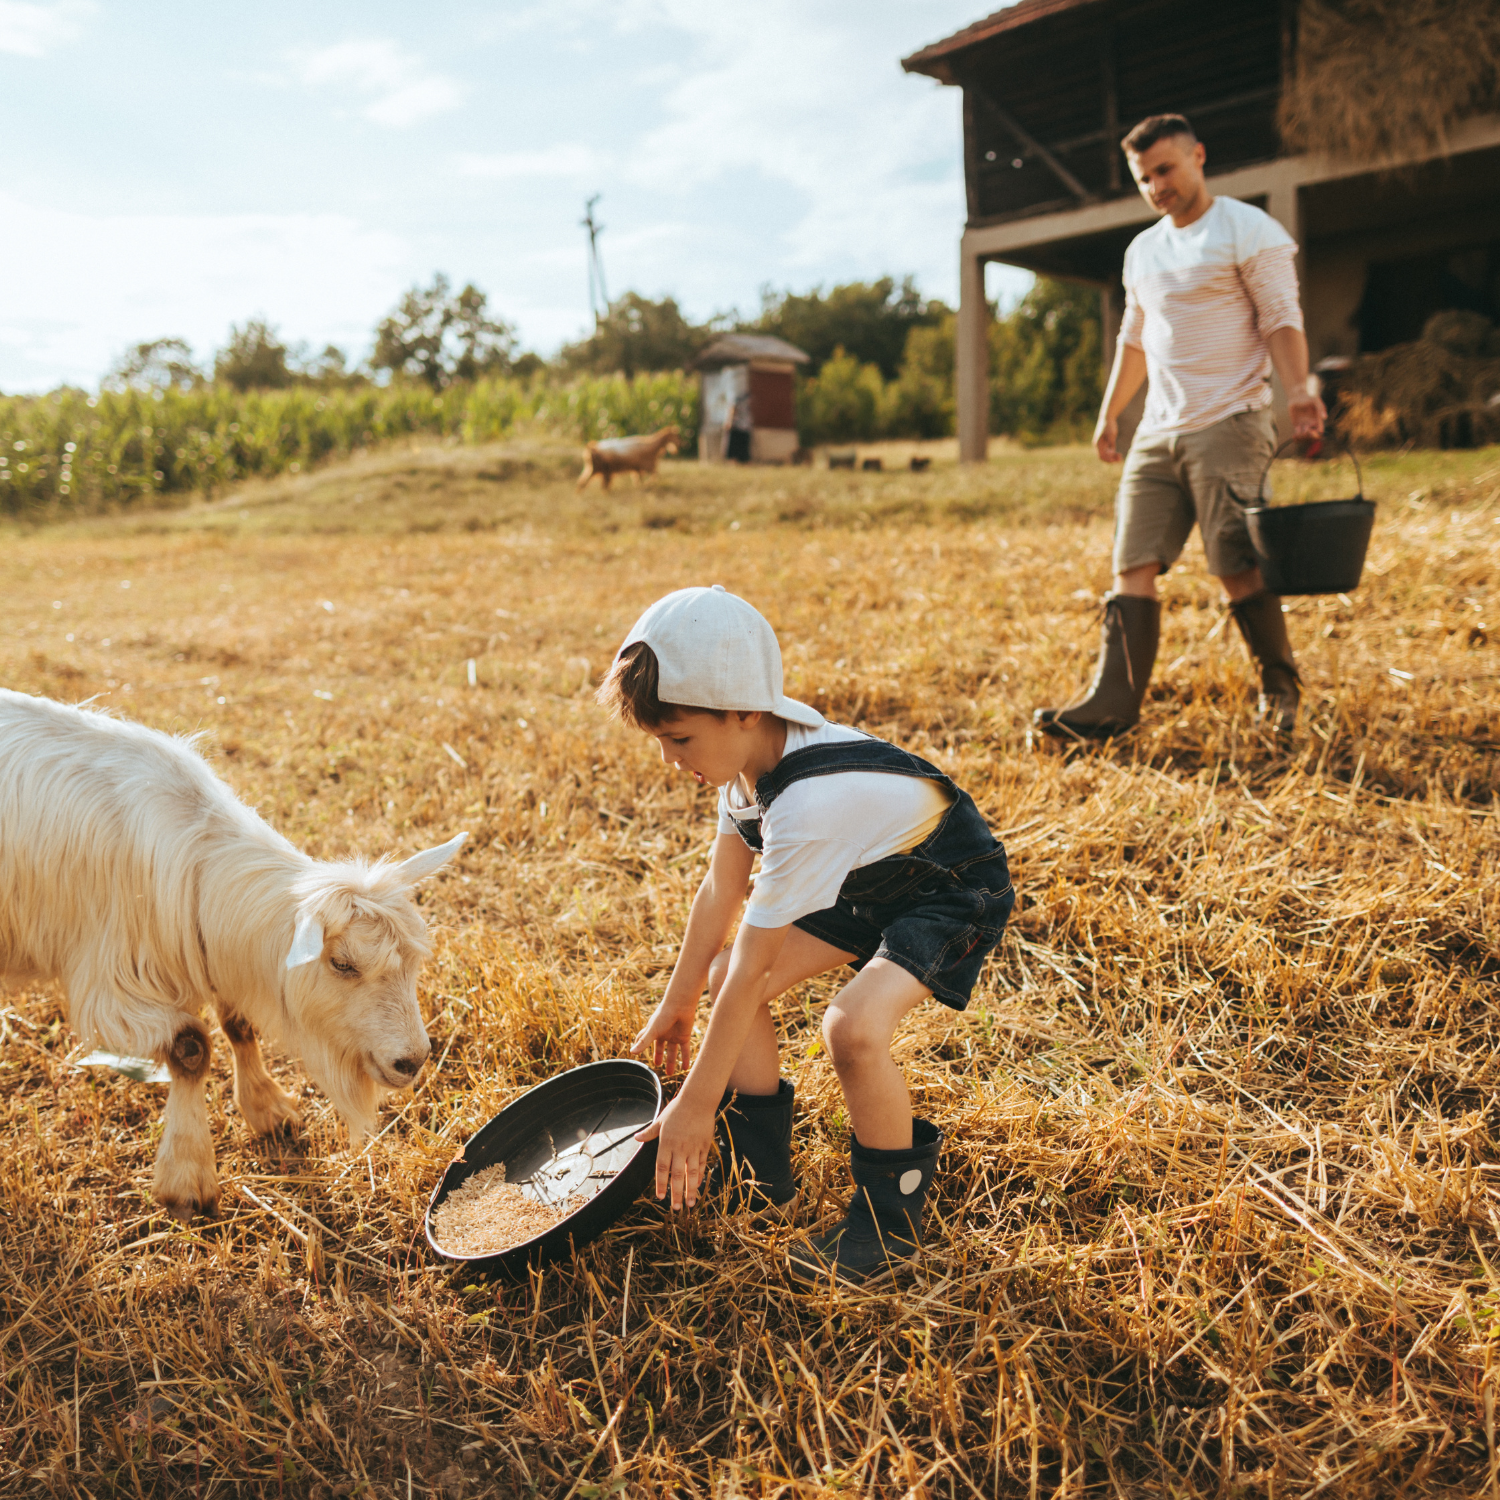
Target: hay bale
x=1460, y=332
x=1376, y=79
x=1425, y=392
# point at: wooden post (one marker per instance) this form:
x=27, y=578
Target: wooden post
x=1283, y=203
x=971, y=359
x=1111, y=113
x=971, y=157
x=1109, y=316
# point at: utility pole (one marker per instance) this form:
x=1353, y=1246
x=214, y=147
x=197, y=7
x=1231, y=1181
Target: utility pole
x=598, y=295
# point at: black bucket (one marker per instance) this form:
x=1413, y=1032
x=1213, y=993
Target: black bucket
x=577, y=1131
x=1317, y=548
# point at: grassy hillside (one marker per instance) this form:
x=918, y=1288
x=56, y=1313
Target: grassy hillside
x=1217, y=1209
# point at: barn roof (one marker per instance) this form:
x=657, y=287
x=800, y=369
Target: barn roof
x=1050, y=86
x=741, y=348
x=933, y=60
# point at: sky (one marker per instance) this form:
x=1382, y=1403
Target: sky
x=170, y=168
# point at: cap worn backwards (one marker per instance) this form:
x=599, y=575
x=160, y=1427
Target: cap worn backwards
x=714, y=650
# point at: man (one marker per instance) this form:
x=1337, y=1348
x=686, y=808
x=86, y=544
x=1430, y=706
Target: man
x=1210, y=306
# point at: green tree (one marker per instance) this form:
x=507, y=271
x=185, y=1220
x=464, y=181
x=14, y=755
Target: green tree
x=435, y=336
x=842, y=403
x=330, y=368
x=870, y=321
x=637, y=334
x=919, y=401
x=158, y=365
x=254, y=359
x=1046, y=369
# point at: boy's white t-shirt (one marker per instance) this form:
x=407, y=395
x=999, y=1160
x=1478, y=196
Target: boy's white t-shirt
x=822, y=827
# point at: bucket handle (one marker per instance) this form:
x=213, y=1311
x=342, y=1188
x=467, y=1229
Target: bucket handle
x=1359, y=477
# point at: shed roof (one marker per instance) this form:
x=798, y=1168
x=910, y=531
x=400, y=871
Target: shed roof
x=741, y=348
x=933, y=60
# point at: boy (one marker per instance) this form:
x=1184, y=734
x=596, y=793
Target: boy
x=870, y=857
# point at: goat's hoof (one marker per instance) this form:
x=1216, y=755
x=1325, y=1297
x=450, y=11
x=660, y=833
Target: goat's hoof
x=186, y=1212
x=185, y=1188
x=268, y=1109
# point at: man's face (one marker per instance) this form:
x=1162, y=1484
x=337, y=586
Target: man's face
x=1170, y=173
x=713, y=750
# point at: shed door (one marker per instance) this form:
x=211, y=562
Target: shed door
x=771, y=398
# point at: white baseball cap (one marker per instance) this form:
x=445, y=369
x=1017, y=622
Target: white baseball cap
x=713, y=650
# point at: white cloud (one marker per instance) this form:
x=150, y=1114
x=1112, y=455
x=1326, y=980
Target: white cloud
x=574, y=162
x=396, y=86
x=789, y=93
x=96, y=283
x=29, y=29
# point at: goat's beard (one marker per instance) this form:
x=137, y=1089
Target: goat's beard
x=351, y=1090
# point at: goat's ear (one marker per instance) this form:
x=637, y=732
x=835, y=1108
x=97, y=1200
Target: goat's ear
x=413, y=869
x=307, y=940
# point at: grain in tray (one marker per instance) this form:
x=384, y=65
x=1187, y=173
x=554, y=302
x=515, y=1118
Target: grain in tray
x=486, y=1214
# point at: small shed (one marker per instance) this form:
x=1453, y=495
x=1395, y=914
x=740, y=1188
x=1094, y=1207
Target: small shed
x=736, y=365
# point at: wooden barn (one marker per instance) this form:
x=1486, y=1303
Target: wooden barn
x=1369, y=151
x=756, y=371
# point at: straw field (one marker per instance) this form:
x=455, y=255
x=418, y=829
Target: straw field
x=1217, y=1212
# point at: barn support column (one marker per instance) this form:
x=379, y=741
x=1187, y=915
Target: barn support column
x=1111, y=306
x=971, y=362
x=1284, y=205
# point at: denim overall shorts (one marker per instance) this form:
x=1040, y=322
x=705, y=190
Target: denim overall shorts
x=936, y=911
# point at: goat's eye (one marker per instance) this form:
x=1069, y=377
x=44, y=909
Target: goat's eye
x=343, y=966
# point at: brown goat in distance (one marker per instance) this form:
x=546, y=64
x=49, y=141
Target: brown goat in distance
x=627, y=455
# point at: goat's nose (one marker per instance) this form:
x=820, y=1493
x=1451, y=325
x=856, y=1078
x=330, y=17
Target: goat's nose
x=409, y=1067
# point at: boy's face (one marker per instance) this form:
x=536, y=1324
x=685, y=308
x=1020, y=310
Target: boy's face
x=712, y=749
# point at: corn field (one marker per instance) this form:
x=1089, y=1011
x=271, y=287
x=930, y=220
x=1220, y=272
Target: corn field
x=72, y=453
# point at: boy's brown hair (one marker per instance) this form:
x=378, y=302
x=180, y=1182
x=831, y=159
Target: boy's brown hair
x=629, y=691
x=1156, y=128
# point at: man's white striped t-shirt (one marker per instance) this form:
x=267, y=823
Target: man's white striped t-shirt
x=1199, y=302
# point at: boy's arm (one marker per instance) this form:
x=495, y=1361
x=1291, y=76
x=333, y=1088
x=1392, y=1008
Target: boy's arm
x=685, y=1129
x=670, y=1029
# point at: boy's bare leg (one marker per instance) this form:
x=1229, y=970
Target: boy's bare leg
x=757, y=1070
x=857, y=1029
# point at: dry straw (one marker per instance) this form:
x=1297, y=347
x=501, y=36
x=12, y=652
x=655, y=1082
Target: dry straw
x=1421, y=393
x=1380, y=80
x=1218, y=1210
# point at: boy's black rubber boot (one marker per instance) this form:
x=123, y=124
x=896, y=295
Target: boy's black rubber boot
x=883, y=1226
x=1111, y=703
x=754, y=1132
x=1263, y=626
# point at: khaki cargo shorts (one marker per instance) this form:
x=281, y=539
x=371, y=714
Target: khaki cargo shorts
x=1174, y=479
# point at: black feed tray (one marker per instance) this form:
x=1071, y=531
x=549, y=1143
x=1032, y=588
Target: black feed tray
x=573, y=1134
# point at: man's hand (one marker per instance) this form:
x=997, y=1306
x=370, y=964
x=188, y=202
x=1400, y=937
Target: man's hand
x=670, y=1033
x=684, y=1132
x=1308, y=415
x=1106, y=435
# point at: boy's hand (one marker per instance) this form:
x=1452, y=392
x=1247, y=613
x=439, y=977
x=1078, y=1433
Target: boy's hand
x=670, y=1032
x=685, y=1136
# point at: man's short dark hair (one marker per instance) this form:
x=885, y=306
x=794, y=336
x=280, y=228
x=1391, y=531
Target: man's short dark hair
x=629, y=691
x=1156, y=128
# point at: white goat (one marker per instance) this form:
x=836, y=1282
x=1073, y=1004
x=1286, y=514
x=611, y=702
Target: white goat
x=130, y=872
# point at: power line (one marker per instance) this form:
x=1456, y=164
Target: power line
x=598, y=295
